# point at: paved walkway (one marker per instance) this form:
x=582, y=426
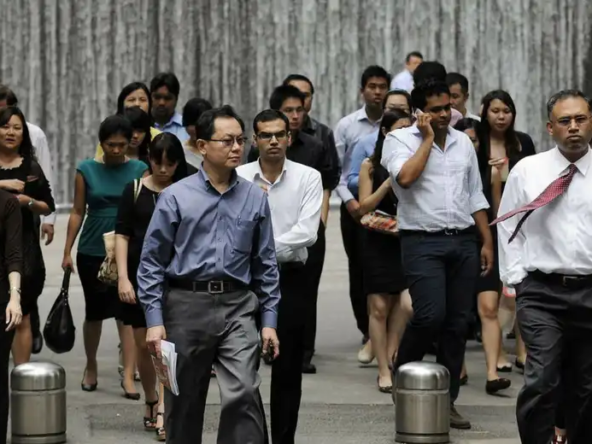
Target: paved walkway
x=340, y=404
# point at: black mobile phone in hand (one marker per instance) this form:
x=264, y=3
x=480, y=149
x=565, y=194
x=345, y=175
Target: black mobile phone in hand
x=268, y=355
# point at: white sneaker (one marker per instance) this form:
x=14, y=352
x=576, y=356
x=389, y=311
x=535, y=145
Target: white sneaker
x=366, y=355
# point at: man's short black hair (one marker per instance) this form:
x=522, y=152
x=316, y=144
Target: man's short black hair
x=299, y=78
x=429, y=70
x=417, y=54
x=422, y=92
x=283, y=93
x=375, y=71
x=115, y=125
x=566, y=94
x=206, y=124
x=269, y=115
x=167, y=79
x=454, y=78
x=193, y=109
x=8, y=94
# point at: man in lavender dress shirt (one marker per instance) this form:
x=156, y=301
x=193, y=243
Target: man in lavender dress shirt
x=208, y=271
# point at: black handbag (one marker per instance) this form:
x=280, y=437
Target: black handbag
x=59, y=331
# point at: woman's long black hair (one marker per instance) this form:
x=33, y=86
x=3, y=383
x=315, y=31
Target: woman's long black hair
x=127, y=90
x=166, y=143
x=388, y=120
x=140, y=121
x=484, y=130
x=26, y=149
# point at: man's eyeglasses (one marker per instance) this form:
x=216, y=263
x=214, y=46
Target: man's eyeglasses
x=566, y=121
x=229, y=142
x=269, y=136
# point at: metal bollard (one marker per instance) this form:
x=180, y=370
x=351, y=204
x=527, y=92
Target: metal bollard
x=38, y=403
x=422, y=403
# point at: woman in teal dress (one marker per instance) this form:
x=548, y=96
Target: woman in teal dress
x=99, y=185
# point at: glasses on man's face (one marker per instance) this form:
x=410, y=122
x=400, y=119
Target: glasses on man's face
x=281, y=135
x=230, y=141
x=566, y=121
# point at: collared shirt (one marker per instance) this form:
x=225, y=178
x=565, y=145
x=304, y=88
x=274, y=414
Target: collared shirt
x=309, y=151
x=447, y=193
x=363, y=149
x=199, y=234
x=39, y=142
x=174, y=126
x=555, y=238
x=192, y=158
x=295, y=200
x=348, y=131
x=403, y=80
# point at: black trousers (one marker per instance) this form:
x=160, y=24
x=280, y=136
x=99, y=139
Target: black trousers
x=441, y=273
x=286, y=370
x=313, y=270
x=555, y=321
x=351, y=232
x=5, y=344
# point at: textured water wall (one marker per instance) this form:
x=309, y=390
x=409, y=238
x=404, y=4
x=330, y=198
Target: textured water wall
x=68, y=59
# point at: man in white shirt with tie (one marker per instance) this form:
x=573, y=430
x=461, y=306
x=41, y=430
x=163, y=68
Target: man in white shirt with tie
x=545, y=254
x=295, y=194
x=441, y=210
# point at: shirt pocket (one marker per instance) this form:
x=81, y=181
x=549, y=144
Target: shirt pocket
x=243, y=235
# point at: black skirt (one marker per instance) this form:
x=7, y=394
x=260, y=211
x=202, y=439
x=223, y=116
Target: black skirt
x=382, y=263
x=101, y=300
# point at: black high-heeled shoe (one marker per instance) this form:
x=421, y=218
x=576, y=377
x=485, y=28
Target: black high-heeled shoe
x=87, y=387
x=128, y=395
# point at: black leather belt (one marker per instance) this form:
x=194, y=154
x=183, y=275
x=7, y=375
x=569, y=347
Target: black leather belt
x=568, y=281
x=212, y=287
x=446, y=232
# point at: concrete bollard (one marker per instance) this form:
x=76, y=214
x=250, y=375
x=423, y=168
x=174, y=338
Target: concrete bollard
x=422, y=403
x=38, y=403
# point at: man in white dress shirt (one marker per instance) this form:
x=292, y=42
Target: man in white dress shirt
x=436, y=178
x=404, y=80
x=295, y=194
x=549, y=263
x=39, y=141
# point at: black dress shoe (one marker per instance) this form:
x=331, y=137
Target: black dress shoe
x=309, y=368
x=37, y=343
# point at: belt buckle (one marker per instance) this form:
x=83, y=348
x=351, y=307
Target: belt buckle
x=450, y=232
x=566, y=281
x=216, y=287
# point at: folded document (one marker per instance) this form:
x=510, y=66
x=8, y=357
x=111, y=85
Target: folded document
x=166, y=367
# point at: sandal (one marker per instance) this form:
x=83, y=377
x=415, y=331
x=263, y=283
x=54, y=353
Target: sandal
x=150, y=421
x=160, y=431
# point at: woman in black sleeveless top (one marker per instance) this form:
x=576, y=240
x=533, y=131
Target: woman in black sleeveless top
x=389, y=303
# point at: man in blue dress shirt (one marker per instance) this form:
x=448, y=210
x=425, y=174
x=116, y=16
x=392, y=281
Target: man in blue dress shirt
x=210, y=241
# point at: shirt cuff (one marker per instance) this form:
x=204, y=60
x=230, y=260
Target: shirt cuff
x=344, y=194
x=268, y=319
x=154, y=317
x=478, y=203
x=49, y=219
x=515, y=278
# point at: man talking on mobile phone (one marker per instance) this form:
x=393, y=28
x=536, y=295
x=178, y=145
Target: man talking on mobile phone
x=441, y=211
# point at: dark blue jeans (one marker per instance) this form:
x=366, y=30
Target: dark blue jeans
x=441, y=272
